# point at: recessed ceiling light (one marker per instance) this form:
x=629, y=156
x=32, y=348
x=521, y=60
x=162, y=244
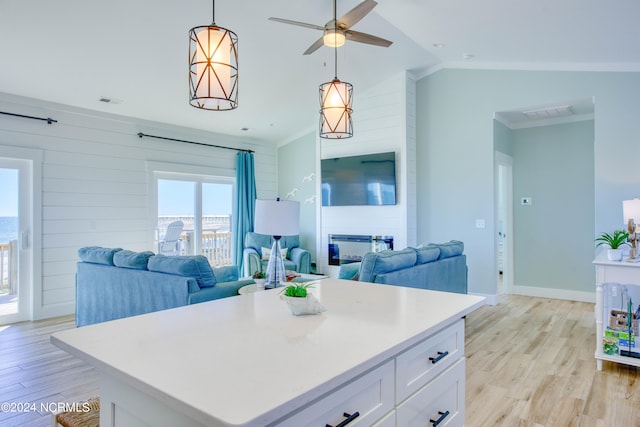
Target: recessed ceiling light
x=468, y=56
x=438, y=45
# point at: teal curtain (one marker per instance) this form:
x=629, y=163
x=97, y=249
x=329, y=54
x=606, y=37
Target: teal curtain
x=245, y=204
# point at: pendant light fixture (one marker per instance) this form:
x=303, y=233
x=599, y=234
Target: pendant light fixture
x=213, y=67
x=335, y=104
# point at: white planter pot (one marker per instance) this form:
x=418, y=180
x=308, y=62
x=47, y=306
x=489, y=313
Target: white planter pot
x=614, y=254
x=307, y=305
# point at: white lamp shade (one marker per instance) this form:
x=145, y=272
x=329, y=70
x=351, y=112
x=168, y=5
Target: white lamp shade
x=631, y=210
x=277, y=217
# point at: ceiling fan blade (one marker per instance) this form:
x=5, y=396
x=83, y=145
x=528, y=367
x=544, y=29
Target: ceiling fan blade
x=299, y=24
x=356, y=14
x=356, y=36
x=315, y=46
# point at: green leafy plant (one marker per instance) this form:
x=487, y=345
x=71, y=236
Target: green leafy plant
x=615, y=240
x=298, y=290
x=259, y=275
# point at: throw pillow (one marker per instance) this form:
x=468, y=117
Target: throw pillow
x=266, y=253
x=196, y=266
x=97, y=254
x=133, y=260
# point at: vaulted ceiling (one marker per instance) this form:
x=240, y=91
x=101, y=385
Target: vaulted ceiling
x=136, y=52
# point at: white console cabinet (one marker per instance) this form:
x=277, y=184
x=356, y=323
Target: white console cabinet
x=379, y=356
x=620, y=272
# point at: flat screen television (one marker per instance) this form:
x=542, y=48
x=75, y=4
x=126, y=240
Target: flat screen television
x=359, y=180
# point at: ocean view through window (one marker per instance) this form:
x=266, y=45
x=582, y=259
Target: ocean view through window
x=9, y=226
x=204, y=207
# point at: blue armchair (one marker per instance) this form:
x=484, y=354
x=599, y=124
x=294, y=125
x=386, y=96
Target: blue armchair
x=297, y=259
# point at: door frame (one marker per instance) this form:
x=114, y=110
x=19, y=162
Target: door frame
x=30, y=290
x=504, y=191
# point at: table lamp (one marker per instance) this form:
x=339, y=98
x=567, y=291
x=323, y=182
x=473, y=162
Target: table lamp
x=631, y=213
x=276, y=218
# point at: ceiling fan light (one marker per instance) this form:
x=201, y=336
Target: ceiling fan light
x=335, y=110
x=334, y=38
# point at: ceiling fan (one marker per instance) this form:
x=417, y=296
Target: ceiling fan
x=337, y=31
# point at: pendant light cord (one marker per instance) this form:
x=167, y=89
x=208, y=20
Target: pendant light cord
x=213, y=12
x=335, y=45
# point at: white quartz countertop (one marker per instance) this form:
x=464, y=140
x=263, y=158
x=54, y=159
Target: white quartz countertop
x=246, y=360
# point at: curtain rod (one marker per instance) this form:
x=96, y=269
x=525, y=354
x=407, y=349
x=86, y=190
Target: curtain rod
x=140, y=134
x=44, y=119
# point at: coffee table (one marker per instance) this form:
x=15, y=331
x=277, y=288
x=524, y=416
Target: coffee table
x=303, y=278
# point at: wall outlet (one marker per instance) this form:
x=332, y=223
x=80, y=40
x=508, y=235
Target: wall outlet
x=479, y=223
x=526, y=201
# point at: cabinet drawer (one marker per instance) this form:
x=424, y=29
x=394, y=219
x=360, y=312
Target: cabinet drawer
x=426, y=360
x=370, y=395
x=441, y=400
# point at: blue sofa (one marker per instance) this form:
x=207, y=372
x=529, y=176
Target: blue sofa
x=112, y=283
x=297, y=259
x=439, y=267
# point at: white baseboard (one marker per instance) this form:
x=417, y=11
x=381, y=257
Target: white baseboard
x=56, y=310
x=564, y=294
x=491, y=299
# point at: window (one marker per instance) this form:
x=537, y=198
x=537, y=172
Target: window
x=204, y=206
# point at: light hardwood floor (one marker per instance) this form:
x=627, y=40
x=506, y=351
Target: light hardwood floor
x=529, y=363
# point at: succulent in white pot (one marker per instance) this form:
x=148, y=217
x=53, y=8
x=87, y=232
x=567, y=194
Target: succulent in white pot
x=615, y=242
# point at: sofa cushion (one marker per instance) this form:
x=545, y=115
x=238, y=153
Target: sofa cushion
x=449, y=249
x=349, y=271
x=385, y=261
x=427, y=254
x=196, y=266
x=97, y=254
x=130, y=259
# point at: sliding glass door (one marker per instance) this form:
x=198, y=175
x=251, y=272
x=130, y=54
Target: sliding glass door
x=15, y=247
x=194, y=216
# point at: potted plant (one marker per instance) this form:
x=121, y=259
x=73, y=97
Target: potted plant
x=259, y=277
x=615, y=242
x=300, y=301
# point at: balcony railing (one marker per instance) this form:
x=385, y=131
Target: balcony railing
x=216, y=246
x=8, y=267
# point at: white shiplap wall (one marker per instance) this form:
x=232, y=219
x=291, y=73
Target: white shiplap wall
x=384, y=120
x=95, y=182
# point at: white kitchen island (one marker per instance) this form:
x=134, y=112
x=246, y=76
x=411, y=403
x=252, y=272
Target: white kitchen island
x=379, y=355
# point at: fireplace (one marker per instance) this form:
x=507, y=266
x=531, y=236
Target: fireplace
x=348, y=248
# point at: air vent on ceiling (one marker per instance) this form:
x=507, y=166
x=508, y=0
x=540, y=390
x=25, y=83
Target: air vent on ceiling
x=549, y=113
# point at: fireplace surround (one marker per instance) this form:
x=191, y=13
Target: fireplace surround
x=348, y=248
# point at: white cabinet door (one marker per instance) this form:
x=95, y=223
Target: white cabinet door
x=428, y=359
x=438, y=404
x=363, y=401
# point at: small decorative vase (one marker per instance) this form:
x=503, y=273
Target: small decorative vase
x=614, y=254
x=259, y=283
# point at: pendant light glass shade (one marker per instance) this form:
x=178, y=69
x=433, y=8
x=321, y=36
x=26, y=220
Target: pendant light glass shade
x=213, y=68
x=335, y=110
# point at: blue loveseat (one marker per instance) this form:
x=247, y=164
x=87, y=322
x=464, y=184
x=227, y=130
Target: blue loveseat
x=112, y=283
x=297, y=259
x=439, y=267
